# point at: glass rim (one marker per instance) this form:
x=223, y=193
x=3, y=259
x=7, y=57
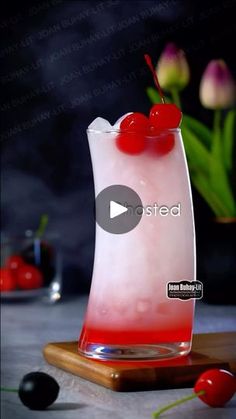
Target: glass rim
x=8, y=237
x=119, y=131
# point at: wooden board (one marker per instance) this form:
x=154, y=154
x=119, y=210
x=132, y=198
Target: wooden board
x=215, y=350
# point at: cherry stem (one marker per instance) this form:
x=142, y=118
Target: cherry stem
x=12, y=390
x=157, y=413
x=150, y=65
x=42, y=226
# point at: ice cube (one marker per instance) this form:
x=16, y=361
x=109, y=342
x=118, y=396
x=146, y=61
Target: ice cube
x=100, y=124
x=118, y=122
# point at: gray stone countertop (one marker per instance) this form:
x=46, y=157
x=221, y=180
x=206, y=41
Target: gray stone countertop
x=28, y=326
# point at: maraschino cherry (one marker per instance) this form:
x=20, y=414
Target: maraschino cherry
x=134, y=128
x=14, y=262
x=214, y=387
x=162, y=144
x=135, y=121
x=7, y=280
x=166, y=116
x=218, y=386
x=162, y=115
x=29, y=277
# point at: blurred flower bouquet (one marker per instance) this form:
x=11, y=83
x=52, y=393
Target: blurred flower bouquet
x=209, y=151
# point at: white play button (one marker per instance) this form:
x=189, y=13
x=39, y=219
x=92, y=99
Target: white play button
x=116, y=209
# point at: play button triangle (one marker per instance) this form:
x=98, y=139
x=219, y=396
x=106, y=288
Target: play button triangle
x=116, y=209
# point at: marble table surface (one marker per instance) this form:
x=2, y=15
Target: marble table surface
x=28, y=326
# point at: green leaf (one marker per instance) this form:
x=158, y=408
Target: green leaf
x=155, y=97
x=229, y=135
x=208, y=175
x=219, y=181
x=198, y=156
x=219, y=184
x=207, y=158
x=200, y=130
x=201, y=183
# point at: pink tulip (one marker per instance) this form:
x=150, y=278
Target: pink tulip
x=217, y=87
x=173, y=69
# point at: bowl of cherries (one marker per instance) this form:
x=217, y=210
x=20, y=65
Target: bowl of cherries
x=30, y=265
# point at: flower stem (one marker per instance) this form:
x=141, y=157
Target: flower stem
x=216, y=150
x=12, y=390
x=157, y=413
x=216, y=122
x=176, y=98
x=42, y=226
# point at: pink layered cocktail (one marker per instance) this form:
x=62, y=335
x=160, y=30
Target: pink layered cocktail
x=129, y=314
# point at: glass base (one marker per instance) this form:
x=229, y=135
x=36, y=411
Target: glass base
x=136, y=352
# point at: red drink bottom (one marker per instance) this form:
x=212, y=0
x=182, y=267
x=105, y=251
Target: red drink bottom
x=134, y=344
x=135, y=337
x=155, y=337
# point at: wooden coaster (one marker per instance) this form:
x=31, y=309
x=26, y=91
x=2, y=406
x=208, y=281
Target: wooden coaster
x=215, y=350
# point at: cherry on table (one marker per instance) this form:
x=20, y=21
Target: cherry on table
x=7, y=280
x=218, y=385
x=14, y=262
x=38, y=390
x=29, y=277
x=214, y=387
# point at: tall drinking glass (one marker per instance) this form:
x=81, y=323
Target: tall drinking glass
x=129, y=315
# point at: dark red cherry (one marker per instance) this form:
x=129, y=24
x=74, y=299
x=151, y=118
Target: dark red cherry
x=38, y=390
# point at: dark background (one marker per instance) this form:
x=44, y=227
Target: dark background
x=62, y=64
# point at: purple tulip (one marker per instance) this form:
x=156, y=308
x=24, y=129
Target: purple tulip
x=173, y=69
x=217, y=87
